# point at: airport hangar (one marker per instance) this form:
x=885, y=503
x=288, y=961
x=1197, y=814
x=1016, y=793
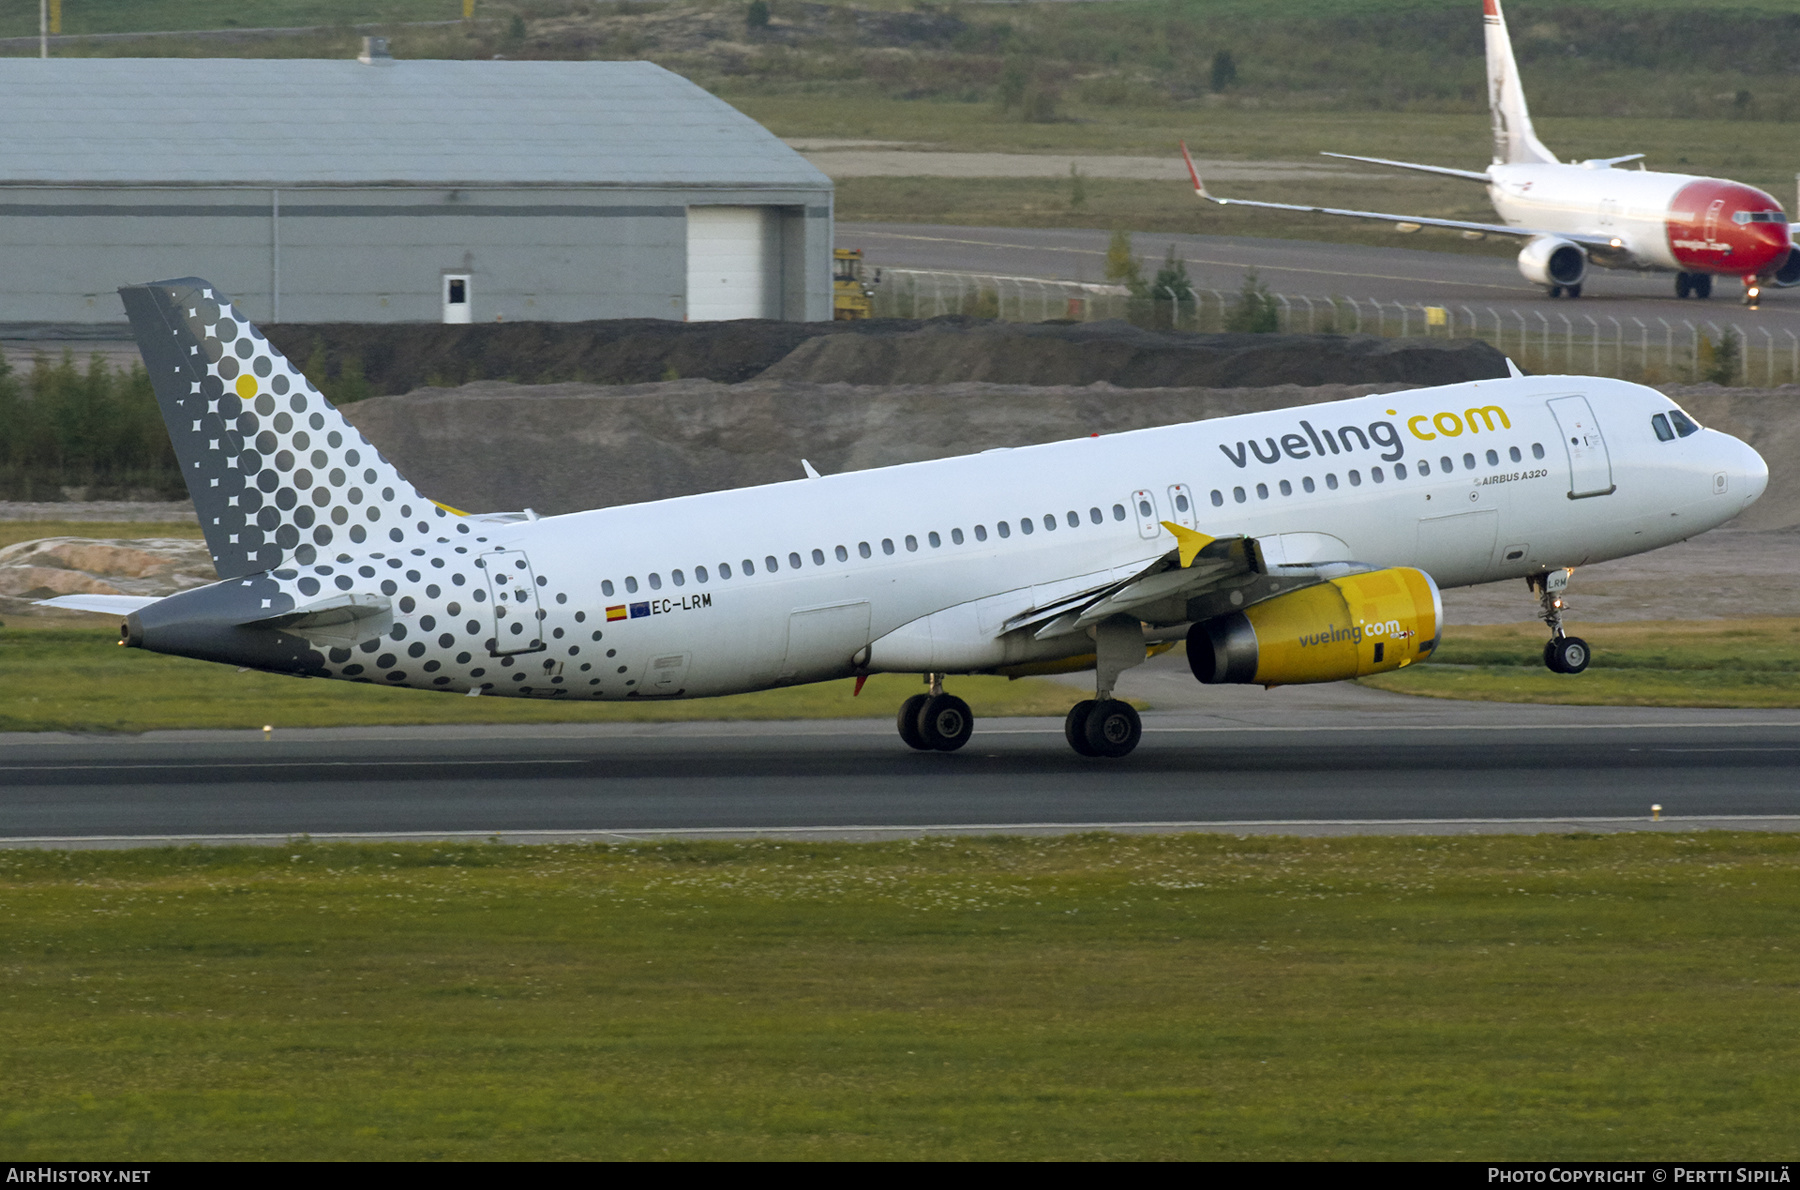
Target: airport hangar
x=383, y=190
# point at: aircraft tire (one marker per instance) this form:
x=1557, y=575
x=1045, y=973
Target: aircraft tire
x=1703, y=285
x=1573, y=291
x=1571, y=654
x=908, y=722
x=1684, y=285
x=1556, y=291
x=1550, y=657
x=945, y=722
x=1075, y=727
x=1113, y=728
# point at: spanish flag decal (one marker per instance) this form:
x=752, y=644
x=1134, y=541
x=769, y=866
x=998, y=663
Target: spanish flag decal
x=615, y=613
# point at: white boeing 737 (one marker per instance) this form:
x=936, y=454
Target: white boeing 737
x=1300, y=545
x=1571, y=214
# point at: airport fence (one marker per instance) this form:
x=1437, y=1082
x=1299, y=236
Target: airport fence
x=1654, y=351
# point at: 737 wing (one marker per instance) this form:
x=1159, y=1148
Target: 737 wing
x=1406, y=222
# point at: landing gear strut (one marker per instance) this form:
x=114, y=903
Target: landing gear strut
x=1693, y=284
x=935, y=722
x=1557, y=291
x=1562, y=654
x=1752, y=293
x=1104, y=725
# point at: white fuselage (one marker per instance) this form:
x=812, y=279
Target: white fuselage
x=1629, y=205
x=859, y=585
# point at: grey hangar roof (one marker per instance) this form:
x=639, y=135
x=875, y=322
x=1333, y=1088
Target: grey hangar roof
x=284, y=123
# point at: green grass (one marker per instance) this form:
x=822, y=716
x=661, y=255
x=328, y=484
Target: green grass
x=1523, y=998
x=62, y=677
x=13, y=532
x=1701, y=663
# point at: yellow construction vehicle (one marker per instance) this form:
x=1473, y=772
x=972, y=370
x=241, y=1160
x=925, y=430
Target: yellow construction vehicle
x=852, y=296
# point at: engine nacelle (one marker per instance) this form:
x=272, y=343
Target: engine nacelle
x=1548, y=260
x=1341, y=628
x=1788, y=275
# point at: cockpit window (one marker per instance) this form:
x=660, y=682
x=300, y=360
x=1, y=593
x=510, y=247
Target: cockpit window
x=1758, y=217
x=1660, y=423
x=1684, y=425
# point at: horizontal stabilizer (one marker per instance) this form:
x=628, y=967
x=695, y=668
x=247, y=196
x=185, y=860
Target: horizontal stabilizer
x=102, y=605
x=341, y=620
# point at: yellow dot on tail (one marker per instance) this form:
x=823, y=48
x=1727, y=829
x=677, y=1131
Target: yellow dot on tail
x=246, y=386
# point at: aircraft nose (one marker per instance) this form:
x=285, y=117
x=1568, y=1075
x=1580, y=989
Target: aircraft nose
x=1751, y=472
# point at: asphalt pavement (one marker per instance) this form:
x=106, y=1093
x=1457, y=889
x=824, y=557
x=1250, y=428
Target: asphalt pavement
x=1318, y=270
x=1390, y=765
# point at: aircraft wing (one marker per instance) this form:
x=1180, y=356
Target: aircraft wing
x=105, y=605
x=1444, y=170
x=1409, y=221
x=1162, y=592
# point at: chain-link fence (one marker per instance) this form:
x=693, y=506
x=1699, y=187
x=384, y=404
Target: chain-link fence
x=1658, y=350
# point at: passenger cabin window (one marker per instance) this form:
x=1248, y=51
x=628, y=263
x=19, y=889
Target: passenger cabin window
x=1356, y=479
x=1306, y=481
x=1094, y=515
x=1375, y=474
x=1025, y=526
x=887, y=545
x=678, y=578
x=655, y=581
x=1238, y=495
x=1512, y=452
x=1424, y=467
x=1684, y=425
x=725, y=568
x=1331, y=481
x=1262, y=491
x=1445, y=465
x=980, y=532
x=700, y=573
x=1001, y=527
x=818, y=557
x=1493, y=458
x=631, y=584
x=842, y=554
x=793, y=561
x=1218, y=498
x=1118, y=512
x=1074, y=519
x=1049, y=520
x=937, y=541
x=771, y=565
x=956, y=536
x=1537, y=450
x=606, y=588
x=1399, y=470
x=912, y=544
x=1468, y=462
x=1287, y=489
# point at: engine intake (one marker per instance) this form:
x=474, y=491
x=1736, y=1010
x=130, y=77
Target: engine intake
x=1341, y=628
x=1548, y=260
x=1788, y=275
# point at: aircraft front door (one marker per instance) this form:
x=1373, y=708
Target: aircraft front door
x=1590, y=466
x=518, y=621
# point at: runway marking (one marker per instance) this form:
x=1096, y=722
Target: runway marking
x=635, y=834
x=1228, y=264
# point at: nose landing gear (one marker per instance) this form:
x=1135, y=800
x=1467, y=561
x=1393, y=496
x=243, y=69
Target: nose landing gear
x=1562, y=654
x=1752, y=293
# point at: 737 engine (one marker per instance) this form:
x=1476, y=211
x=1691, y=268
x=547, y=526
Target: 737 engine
x=1341, y=628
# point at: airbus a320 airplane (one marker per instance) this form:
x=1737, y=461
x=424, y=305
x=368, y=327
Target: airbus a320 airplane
x=1301, y=545
x=1571, y=215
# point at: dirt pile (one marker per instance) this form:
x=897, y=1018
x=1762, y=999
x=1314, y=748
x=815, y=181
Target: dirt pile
x=565, y=447
x=1129, y=357
x=356, y=360
x=51, y=566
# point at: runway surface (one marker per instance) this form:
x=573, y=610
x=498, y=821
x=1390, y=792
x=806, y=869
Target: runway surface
x=1391, y=765
x=1318, y=270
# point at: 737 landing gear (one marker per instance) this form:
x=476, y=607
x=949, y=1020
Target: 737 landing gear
x=1693, y=284
x=1752, y=293
x=1557, y=291
x=935, y=722
x=1104, y=725
x=1562, y=654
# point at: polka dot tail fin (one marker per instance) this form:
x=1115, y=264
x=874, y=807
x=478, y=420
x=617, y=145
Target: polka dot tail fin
x=275, y=471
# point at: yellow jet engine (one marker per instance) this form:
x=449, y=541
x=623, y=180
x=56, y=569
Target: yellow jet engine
x=1342, y=628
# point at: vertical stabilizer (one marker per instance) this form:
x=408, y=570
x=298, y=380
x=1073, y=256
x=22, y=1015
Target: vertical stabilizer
x=1514, y=141
x=276, y=472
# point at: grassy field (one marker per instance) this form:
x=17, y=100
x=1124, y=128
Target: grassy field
x=1690, y=663
x=1575, y=998
x=67, y=677
x=13, y=532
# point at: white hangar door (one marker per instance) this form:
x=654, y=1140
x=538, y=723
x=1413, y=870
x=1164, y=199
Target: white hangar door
x=733, y=263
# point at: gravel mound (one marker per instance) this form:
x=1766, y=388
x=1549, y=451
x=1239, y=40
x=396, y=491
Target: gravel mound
x=52, y=566
x=556, y=448
x=395, y=358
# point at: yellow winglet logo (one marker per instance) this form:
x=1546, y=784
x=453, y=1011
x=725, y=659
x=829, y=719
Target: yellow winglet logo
x=1188, y=541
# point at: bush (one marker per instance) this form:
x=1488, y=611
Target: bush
x=91, y=434
x=1254, y=311
x=757, y=17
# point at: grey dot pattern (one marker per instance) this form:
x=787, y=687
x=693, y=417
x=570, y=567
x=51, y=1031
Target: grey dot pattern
x=292, y=489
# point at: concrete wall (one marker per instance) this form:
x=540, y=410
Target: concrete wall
x=377, y=254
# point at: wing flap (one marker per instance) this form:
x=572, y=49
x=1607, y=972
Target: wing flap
x=103, y=605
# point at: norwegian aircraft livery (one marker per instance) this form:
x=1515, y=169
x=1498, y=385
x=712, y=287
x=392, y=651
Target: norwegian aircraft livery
x=1586, y=212
x=1300, y=545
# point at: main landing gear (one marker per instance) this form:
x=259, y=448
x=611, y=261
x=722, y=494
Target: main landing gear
x=1557, y=291
x=1697, y=285
x=1104, y=725
x=935, y=722
x=1562, y=654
